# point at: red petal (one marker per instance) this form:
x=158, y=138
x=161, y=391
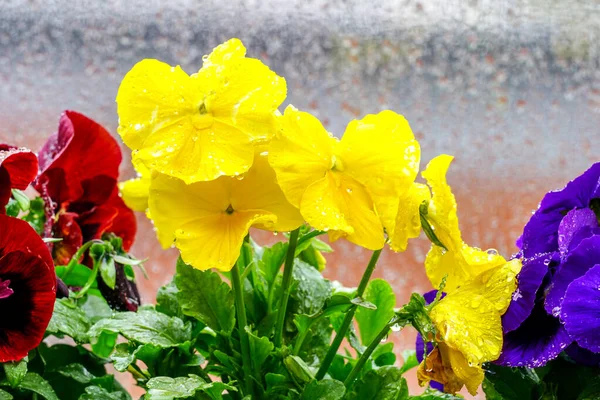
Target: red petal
x=80, y=150
x=67, y=228
x=26, y=262
x=125, y=223
x=18, y=168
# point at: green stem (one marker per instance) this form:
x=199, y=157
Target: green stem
x=341, y=334
x=77, y=256
x=301, y=337
x=367, y=353
x=285, y=286
x=236, y=282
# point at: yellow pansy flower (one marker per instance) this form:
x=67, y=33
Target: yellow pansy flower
x=199, y=127
x=348, y=187
x=209, y=220
x=479, y=287
x=458, y=262
x=134, y=192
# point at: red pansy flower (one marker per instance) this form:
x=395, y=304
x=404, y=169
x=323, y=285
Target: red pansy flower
x=27, y=288
x=79, y=167
x=18, y=168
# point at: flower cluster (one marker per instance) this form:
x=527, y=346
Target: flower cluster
x=216, y=157
x=556, y=306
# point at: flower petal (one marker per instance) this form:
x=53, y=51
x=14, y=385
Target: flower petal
x=27, y=263
x=214, y=241
x=246, y=91
x=407, y=224
x=258, y=190
x=577, y=225
x=470, y=374
x=580, y=310
x=583, y=356
x=300, y=154
x=523, y=299
x=173, y=204
x=135, y=191
x=540, y=235
x=577, y=263
x=81, y=150
x=20, y=164
x=538, y=340
x=380, y=152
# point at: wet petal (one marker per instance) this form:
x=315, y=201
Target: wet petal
x=135, y=191
x=538, y=340
x=214, y=241
x=407, y=224
x=577, y=263
x=300, y=154
x=258, y=190
x=523, y=299
x=540, y=235
x=577, y=225
x=380, y=152
x=580, y=310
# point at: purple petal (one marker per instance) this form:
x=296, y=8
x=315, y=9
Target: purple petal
x=523, y=299
x=430, y=296
x=583, y=356
x=538, y=340
x=577, y=225
x=577, y=263
x=540, y=235
x=581, y=309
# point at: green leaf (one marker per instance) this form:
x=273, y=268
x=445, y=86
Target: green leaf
x=260, y=348
x=166, y=300
x=77, y=276
x=95, y=308
x=298, y=369
x=35, y=383
x=507, y=383
x=385, y=383
x=371, y=322
x=5, y=395
x=36, y=215
x=327, y=389
x=433, y=394
x=204, y=296
x=312, y=290
x=271, y=261
x=99, y=393
x=69, y=320
x=166, y=388
x=15, y=371
x=77, y=372
x=108, y=271
x=147, y=326
x=359, y=301
x=384, y=355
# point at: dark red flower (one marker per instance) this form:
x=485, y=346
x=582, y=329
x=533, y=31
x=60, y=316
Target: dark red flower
x=27, y=288
x=79, y=169
x=18, y=168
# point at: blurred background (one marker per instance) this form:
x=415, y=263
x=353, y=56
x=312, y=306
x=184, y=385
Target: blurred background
x=509, y=87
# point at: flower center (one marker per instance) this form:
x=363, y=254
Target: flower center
x=338, y=165
x=5, y=291
x=595, y=207
x=229, y=210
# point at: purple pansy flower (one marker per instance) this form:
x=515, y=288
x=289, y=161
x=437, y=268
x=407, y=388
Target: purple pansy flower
x=557, y=304
x=420, y=344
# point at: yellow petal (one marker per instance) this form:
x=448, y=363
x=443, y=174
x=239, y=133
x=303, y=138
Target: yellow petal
x=135, y=191
x=258, y=189
x=380, y=151
x=174, y=204
x=152, y=96
x=468, y=322
x=245, y=92
x=230, y=50
x=469, y=375
x=217, y=150
x=437, y=368
x=407, y=224
x=322, y=206
x=300, y=154
x=215, y=240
